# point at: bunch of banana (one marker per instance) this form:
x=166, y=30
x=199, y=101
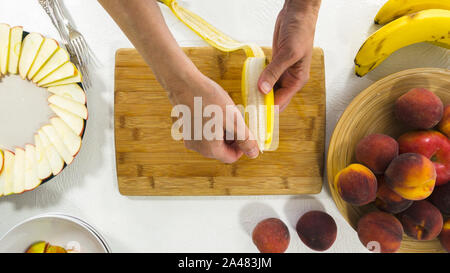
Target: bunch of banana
x=261, y=121
x=408, y=22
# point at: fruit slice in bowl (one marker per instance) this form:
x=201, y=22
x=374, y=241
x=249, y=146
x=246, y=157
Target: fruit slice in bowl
x=69, y=105
x=64, y=72
x=48, y=48
x=19, y=171
x=4, y=47
x=71, y=140
x=74, y=79
x=57, y=60
x=71, y=91
x=53, y=157
x=7, y=175
x=76, y=123
x=57, y=142
x=15, y=46
x=32, y=180
x=30, y=47
x=43, y=165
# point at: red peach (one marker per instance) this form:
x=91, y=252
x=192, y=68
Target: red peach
x=271, y=236
x=432, y=145
x=441, y=198
x=376, y=151
x=419, y=108
x=317, y=230
x=412, y=176
x=388, y=200
x=356, y=185
x=422, y=221
x=380, y=231
x=444, y=237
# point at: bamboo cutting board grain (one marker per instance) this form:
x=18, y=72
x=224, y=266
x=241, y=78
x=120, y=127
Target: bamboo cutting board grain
x=150, y=162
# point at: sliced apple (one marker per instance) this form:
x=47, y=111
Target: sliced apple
x=48, y=48
x=71, y=91
x=15, y=46
x=74, y=122
x=72, y=106
x=7, y=176
x=32, y=180
x=30, y=47
x=69, y=138
x=44, y=170
x=55, y=160
x=19, y=171
x=5, y=31
x=75, y=79
x=58, y=59
x=57, y=142
x=65, y=71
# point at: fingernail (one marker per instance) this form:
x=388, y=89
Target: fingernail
x=265, y=87
x=253, y=153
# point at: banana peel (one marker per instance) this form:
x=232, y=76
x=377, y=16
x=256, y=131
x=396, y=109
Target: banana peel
x=262, y=123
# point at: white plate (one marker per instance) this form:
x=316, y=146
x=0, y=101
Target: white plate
x=56, y=229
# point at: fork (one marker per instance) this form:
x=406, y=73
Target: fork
x=80, y=50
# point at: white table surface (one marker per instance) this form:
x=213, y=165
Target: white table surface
x=88, y=188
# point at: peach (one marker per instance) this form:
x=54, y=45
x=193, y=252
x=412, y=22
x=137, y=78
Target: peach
x=419, y=109
x=441, y=198
x=271, y=236
x=422, y=221
x=434, y=146
x=356, y=185
x=380, y=232
x=389, y=201
x=444, y=125
x=317, y=230
x=376, y=151
x=444, y=237
x=412, y=176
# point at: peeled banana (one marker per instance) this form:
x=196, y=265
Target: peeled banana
x=394, y=9
x=261, y=120
x=431, y=25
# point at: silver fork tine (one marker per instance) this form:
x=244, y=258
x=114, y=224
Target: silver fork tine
x=81, y=62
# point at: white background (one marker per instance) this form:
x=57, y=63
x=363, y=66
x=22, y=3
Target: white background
x=88, y=188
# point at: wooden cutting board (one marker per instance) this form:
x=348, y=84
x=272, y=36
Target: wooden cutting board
x=150, y=162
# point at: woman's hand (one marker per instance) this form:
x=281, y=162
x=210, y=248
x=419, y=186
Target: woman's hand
x=183, y=92
x=292, y=50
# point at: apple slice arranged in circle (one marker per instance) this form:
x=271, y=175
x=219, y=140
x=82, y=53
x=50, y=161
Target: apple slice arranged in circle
x=56, y=144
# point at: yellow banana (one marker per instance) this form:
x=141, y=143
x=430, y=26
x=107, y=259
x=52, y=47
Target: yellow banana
x=394, y=9
x=263, y=125
x=431, y=25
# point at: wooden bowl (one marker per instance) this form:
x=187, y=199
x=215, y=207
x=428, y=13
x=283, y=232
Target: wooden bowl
x=372, y=111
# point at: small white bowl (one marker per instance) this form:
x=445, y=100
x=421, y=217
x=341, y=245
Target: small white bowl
x=57, y=229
